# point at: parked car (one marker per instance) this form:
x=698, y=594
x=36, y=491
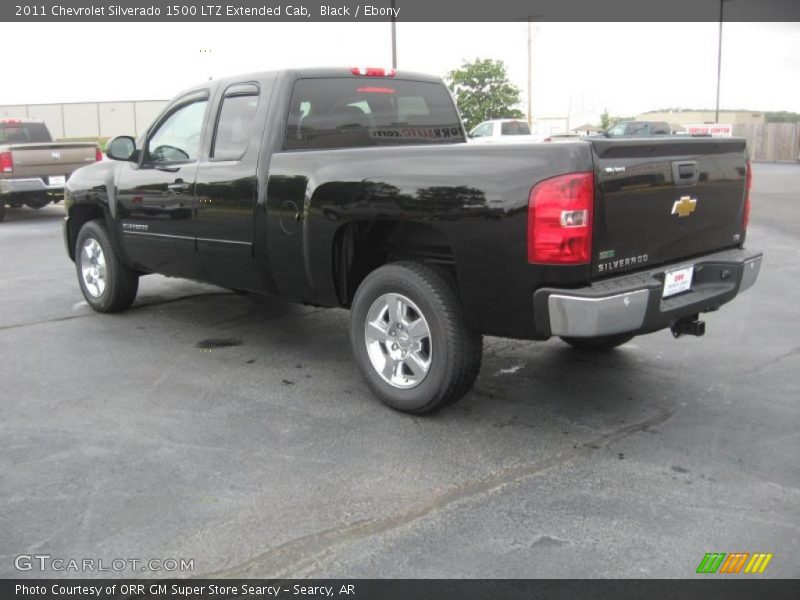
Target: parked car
x=355, y=188
x=33, y=168
x=639, y=129
x=503, y=131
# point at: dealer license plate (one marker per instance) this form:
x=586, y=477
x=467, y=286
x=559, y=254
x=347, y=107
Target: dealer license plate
x=678, y=281
x=58, y=179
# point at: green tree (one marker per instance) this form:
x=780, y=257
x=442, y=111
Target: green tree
x=482, y=91
x=782, y=116
x=605, y=121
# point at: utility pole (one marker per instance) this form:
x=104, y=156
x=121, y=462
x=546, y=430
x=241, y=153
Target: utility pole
x=530, y=19
x=394, y=36
x=530, y=78
x=719, y=60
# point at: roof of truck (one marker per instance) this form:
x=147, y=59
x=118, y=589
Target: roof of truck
x=15, y=120
x=314, y=73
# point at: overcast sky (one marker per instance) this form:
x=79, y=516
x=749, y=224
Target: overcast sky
x=626, y=67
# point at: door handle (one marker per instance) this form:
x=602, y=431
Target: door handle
x=178, y=187
x=685, y=173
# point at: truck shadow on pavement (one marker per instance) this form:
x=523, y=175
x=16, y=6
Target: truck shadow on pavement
x=23, y=214
x=523, y=385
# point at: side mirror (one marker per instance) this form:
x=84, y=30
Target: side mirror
x=122, y=147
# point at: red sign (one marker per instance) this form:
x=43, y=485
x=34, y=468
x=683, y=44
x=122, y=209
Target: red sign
x=714, y=130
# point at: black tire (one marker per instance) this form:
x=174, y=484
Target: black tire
x=455, y=350
x=599, y=344
x=2, y=211
x=121, y=283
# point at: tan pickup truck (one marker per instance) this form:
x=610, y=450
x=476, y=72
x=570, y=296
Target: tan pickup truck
x=34, y=168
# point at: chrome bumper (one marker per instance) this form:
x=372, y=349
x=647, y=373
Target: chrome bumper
x=28, y=184
x=634, y=303
x=589, y=317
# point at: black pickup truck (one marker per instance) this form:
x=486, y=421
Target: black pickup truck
x=357, y=188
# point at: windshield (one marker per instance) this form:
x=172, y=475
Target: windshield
x=348, y=112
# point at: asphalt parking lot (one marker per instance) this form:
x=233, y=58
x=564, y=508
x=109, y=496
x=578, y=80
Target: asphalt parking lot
x=141, y=436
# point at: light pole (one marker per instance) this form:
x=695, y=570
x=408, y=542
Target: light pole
x=530, y=19
x=719, y=59
x=394, y=37
x=530, y=43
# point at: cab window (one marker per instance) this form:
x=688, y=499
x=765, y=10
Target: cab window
x=483, y=130
x=234, y=127
x=353, y=112
x=515, y=128
x=177, y=138
x=617, y=129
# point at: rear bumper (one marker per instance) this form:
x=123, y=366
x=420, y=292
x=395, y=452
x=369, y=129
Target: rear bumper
x=27, y=185
x=633, y=303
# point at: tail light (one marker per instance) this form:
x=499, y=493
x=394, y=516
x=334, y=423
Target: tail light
x=560, y=220
x=6, y=162
x=748, y=183
x=373, y=72
x=98, y=154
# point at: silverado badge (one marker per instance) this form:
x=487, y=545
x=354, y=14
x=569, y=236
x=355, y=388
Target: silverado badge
x=684, y=207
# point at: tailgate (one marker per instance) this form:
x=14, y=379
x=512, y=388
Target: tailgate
x=666, y=199
x=57, y=158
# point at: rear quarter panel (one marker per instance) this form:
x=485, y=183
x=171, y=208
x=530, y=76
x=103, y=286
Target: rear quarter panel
x=475, y=195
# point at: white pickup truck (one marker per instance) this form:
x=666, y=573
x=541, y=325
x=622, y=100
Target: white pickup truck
x=503, y=131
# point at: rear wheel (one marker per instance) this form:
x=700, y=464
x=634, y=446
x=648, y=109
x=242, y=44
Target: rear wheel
x=107, y=284
x=2, y=211
x=600, y=343
x=410, y=338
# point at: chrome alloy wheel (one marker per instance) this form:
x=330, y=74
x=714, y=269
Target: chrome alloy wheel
x=93, y=267
x=398, y=341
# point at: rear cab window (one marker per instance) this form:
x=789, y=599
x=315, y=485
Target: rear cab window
x=16, y=132
x=515, y=128
x=343, y=112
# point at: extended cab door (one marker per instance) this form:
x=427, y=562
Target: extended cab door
x=227, y=187
x=155, y=196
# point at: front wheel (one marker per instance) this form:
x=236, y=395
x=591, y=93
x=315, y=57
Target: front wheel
x=599, y=344
x=107, y=284
x=410, y=338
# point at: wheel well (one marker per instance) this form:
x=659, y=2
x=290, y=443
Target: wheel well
x=78, y=216
x=360, y=247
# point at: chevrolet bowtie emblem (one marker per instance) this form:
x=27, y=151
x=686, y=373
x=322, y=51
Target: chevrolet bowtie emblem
x=684, y=207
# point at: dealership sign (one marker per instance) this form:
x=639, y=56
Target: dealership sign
x=714, y=130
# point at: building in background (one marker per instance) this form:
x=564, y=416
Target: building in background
x=564, y=124
x=89, y=119
x=679, y=118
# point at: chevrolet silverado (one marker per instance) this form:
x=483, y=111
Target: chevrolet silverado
x=356, y=188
